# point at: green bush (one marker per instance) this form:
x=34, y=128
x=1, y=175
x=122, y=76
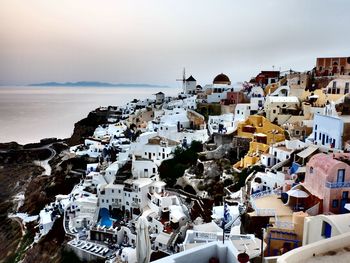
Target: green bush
x=170, y=170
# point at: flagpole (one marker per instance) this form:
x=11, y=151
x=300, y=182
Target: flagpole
x=223, y=226
x=224, y=223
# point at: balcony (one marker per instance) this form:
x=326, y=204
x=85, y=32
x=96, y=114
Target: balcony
x=337, y=184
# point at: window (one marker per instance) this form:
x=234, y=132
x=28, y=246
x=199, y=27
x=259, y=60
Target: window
x=326, y=230
x=316, y=127
x=311, y=170
x=345, y=195
x=341, y=176
x=335, y=203
x=346, y=90
x=112, y=191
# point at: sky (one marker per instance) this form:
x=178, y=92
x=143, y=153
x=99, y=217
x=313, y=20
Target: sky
x=151, y=41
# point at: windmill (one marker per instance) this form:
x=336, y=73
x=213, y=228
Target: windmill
x=183, y=80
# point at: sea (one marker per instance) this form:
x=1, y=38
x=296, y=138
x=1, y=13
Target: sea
x=28, y=114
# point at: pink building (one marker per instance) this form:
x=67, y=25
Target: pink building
x=233, y=97
x=328, y=178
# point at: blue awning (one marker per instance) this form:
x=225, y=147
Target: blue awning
x=294, y=168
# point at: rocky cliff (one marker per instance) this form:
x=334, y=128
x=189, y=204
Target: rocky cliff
x=86, y=127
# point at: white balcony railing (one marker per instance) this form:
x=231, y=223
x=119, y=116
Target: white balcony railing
x=266, y=193
x=337, y=184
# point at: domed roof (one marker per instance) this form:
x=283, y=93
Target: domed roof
x=222, y=79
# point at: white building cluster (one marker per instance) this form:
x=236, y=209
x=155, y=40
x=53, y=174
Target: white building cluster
x=122, y=184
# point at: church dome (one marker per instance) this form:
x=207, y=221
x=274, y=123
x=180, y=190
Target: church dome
x=222, y=79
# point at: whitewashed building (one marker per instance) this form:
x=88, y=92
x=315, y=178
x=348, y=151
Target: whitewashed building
x=325, y=136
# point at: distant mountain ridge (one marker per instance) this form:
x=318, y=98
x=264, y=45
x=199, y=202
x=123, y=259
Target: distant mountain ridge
x=95, y=84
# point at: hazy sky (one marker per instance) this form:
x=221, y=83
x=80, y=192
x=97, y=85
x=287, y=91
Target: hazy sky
x=150, y=41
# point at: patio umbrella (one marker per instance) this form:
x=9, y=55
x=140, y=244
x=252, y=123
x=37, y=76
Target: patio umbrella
x=143, y=244
x=298, y=193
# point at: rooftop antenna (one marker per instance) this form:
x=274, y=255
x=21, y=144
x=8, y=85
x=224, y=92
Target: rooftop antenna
x=183, y=79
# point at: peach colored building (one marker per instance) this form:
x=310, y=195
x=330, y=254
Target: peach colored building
x=333, y=66
x=233, y=97
x=328, y=177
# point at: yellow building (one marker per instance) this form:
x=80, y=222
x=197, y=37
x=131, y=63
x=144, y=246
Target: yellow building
x=260, y=129
x=262, y=133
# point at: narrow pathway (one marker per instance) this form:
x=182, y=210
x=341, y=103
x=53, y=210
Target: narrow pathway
x=45, y=163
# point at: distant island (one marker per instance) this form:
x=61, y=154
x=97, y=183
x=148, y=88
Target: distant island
x=95, y=84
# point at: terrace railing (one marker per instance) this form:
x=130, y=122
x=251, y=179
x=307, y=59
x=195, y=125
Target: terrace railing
x=265, y=212
x=266, y=193
x=337, y=184
x=284, y=225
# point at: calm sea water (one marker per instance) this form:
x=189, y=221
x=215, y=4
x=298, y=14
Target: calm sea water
x=28, y=114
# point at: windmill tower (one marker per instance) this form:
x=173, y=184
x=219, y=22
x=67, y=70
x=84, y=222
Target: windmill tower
x=183, y=80
x=188, y=84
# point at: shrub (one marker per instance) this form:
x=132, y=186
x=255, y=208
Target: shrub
x=171, y=170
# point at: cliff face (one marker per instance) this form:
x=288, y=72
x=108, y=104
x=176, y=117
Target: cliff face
x=86, y=127
x=20, y=174
x=16, y=171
